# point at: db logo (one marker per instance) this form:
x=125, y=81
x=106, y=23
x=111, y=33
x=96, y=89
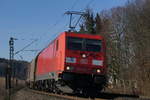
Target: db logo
x=83, y=61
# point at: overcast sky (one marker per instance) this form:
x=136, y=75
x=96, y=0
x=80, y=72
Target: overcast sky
x=28, y=20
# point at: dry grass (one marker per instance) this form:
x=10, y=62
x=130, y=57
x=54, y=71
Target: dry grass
x=143, y=89
x=2, y=88
x=27, y=94
x=3, y=92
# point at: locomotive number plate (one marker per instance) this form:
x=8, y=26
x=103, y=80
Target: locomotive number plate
x=83, y=61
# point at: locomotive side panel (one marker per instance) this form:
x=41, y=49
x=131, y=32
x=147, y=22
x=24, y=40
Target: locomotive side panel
x=50, y=61
x=60, y=52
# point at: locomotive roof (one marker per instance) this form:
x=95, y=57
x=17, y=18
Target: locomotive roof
x=75, y=34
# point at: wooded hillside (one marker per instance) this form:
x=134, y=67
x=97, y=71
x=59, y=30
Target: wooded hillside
x=20, y=68
x=127, y=33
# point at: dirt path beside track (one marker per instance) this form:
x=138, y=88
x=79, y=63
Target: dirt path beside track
x=26, y=94
x=2, y=88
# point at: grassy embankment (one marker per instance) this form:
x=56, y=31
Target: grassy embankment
x=2, y=88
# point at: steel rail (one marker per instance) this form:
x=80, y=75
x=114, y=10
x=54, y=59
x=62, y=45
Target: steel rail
x=64, y=96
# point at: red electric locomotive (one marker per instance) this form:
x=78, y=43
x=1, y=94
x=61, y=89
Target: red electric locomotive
x=72, y=59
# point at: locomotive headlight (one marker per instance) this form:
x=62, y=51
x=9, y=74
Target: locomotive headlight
x=83, y=55
x=97, y=62
x=68, y=67
x=70, y=60
x=98, y=70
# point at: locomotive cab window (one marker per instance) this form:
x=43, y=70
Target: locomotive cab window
x=74, y=43
x=93, y=45
x=57, y=43
x=82, y=44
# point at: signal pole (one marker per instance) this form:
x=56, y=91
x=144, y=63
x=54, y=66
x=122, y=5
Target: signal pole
x=11, y=44
x=10, y=66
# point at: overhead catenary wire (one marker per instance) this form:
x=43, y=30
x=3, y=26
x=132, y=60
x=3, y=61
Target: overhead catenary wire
x=51, y=27
x=58, y=21
x=25, y=47
x=81, y=13
x=56, y=34
x=62, y=16
x=88, y=4
x=39, y=39
x=53, y=34
x=42, y=35
x=74, y=4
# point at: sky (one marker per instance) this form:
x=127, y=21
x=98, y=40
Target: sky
x=39, y=21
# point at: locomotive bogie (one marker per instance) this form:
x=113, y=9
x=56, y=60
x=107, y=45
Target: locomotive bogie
x=84, y=80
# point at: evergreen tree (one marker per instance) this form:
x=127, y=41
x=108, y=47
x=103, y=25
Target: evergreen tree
x=91, y=24
x=82, y=29
x=98, y=24
x=88, y=23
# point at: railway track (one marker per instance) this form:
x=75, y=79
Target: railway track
x=29, y=94
x=65, y=96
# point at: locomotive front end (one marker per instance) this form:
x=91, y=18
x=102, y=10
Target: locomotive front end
x=85, y=62
x=85, y=55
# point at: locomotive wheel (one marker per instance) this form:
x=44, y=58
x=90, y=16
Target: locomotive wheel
x=90, y=92
x=52, y=87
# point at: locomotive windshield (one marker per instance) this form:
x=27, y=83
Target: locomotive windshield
x=75, y=43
